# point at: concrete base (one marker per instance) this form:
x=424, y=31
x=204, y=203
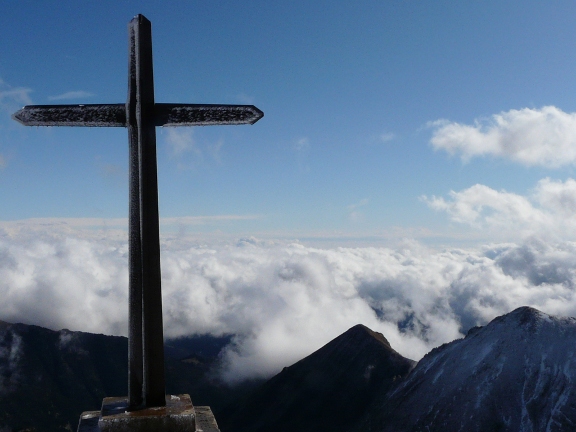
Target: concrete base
x=177, y=416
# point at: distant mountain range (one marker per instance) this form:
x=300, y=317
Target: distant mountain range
x=515, y=374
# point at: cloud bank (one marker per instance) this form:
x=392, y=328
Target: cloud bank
x=548, y=211
x=533, y=137
x=282, y=300
x=78, y=94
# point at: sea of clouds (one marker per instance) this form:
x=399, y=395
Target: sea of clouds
x=282, y=300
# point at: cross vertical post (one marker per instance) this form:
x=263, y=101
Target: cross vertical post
x=145, y=310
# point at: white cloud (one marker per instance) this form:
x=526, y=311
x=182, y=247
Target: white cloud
x=13, y=98
x=354, y=215
x=214, y=150
x=545, y=137
x=360, y=203
x=18, y=94
x=89, y=226
x=79, y=94
x=183, y=148
x=245, y=98
x=302, y=144
x=282, y=300
x=548, y=210
x=302, y=148
x=180, y=140
x=188, y=151
x=559, y=197
x=203, y=220
x=386, y=137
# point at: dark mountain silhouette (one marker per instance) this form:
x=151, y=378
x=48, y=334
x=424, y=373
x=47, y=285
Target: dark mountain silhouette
x=515, y=374
x=47, y=378
x=327, y=391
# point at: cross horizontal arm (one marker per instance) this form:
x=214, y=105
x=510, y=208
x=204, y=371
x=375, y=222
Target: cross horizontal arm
x=114, y=115
x=72, y=115
x=205, y=115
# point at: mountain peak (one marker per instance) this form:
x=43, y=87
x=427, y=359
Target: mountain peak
x=349, y=371
x=527, y=314
x=524, y=317
x=360, y=330
x=530, y=321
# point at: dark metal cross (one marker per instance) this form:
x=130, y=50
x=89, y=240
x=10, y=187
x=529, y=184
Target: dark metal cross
x=140, y=114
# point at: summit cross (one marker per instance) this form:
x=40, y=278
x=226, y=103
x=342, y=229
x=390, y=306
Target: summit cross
x=140, y=114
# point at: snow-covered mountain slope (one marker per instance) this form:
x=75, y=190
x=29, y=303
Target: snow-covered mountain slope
x=518, y=373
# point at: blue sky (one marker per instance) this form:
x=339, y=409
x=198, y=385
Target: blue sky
x=415, y=164
x=347, y=88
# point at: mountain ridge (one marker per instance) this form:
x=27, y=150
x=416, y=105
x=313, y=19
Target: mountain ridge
x=48, y=377
x=348, y=371
x=514, y=374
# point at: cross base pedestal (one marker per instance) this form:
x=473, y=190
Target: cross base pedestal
x=179, y=415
